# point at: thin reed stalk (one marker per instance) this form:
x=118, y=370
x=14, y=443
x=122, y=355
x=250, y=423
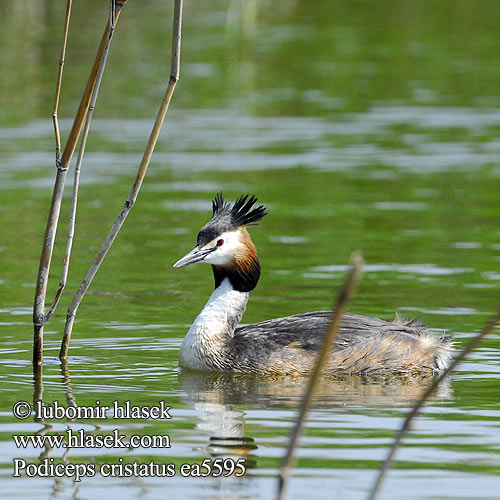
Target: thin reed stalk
x=471, y=345
x=76, y=179
x=345, y=294
x=62, y=164
x=59, y=79
x=129, y=203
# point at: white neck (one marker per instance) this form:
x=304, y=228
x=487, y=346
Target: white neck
x=203, y=345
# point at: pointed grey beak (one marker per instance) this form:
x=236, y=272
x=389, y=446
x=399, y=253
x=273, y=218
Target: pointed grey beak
x=195, y=255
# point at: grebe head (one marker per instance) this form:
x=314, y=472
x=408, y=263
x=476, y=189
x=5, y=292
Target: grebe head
x=225, y=243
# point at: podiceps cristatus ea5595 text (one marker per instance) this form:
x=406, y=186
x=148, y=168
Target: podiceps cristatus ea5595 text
x=287, y=345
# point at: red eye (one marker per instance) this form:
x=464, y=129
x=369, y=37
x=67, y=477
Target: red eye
x=220, y=243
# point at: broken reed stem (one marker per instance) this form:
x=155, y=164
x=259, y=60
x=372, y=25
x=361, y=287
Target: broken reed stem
x=81, y=152
x=62, y=165
x=471, y=345
x=129, y=203
x=345, y=294
x=59, y=79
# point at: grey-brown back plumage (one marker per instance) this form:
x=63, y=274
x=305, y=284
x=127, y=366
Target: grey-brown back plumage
x=364, y=345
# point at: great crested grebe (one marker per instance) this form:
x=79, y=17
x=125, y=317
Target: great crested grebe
x=287, y=345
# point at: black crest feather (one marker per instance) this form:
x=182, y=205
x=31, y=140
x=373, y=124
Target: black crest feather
x=240, y=212
x=218, y=204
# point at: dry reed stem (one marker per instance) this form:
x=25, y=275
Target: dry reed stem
x=59, y=79
x=85, y=101
x=129, y=203
x=62, y=165
x=487, y=328
x=71, y=232
x=345, y=294
x=76, y=179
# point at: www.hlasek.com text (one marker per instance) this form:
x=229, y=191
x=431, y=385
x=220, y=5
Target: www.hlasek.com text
x=81, y=439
